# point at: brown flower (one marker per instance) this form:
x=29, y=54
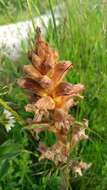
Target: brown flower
x=78, y=167
x=41, y=107
x=32, y=86
x=67, y=89
x=78, y=132
x=57, y=153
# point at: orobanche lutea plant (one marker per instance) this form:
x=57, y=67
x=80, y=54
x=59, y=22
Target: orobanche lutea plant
x=50, y=100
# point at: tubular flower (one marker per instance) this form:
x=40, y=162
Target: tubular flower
x=52, y=99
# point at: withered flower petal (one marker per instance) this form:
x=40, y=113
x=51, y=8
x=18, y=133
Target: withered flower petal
x=68, y=89
x=68, y=104
x=45, y=82
x=42, y=147
x=47, y=65
x=41, y=52
x=45, y=103
x=31, y=85
x=36, y=61
x=77, y=170
x=56, y=153
x=79, y=166
x=30, y=108
x=41, y=107
x=60, y=70
x=41, y=44
x=39, y=113
x=32, y=72
x=59, y=115
x=62, y=119
x=78, y=132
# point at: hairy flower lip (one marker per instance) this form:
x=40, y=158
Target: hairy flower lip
x=68, y=89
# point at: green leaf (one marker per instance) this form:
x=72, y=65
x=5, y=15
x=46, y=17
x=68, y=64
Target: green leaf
x=4, y=168
x=9, y=149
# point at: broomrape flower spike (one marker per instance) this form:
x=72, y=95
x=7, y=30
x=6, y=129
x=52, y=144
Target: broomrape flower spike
x=50, y=100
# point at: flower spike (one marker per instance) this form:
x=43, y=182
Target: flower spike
x=51, y=98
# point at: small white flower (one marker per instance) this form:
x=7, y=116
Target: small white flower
x=7, y=113
x=8, y=127
x=11, y=122
x=9, y=119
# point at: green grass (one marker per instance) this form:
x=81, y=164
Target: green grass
x=17, y=10
x=82, y=38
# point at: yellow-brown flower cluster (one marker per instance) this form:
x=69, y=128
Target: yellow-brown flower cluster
x=51, y=99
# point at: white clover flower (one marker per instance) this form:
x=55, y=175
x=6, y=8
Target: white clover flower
x=9, y=119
